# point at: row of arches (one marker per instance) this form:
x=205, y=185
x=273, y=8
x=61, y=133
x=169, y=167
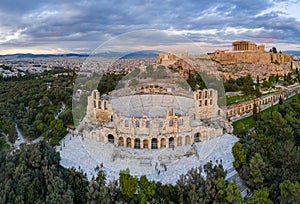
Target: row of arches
x=246, y=107
x=153, y=143
x=102, y=104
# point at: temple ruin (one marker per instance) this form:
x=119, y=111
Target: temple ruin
x=249, y=52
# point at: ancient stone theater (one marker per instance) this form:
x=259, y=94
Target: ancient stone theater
x=154, y=115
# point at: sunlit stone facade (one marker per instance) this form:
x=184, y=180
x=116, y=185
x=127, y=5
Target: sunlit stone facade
x=154, y=119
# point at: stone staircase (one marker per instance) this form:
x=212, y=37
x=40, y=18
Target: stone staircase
x=233, y=176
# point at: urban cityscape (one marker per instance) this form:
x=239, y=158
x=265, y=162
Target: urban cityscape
x=150, y=102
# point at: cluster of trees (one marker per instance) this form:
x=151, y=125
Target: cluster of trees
x=190, y=188
x=32, y=101
x=273, y=50
x=291, y=77
x=195, y=81
x=160, y=72
x=32, y=175
x=108, y=83
x=244, y=84
x=268, y=159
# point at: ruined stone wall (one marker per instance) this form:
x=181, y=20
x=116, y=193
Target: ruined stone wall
x=151, y=133
x=251, y=57
x=152, y=127
x=152, y=89
x=206, y=103
x=242, y=108
x=98, y=110
x=166, y=59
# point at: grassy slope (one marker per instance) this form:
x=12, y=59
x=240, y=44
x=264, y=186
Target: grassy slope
x=248, y=122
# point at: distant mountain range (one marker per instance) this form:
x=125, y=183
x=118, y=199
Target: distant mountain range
x=139, y=54
x=29, y=55
x=122, y=55
x=143, y=54
x=293, y=52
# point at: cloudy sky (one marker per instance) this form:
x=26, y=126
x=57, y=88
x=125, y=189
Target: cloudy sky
x=50, y=26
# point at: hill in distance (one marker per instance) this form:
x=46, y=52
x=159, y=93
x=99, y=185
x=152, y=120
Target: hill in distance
x=122, y=55
x=293, y=52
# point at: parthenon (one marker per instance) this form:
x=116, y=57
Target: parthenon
x=247, y=46
x=249, y=52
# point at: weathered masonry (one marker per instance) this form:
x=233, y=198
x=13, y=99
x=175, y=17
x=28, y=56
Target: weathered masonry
x=237, y=110
x=154, y=119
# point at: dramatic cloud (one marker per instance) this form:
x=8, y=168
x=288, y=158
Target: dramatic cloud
x=63, y=26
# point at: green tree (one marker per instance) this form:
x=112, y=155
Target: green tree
x=128, y=184
x=239, y=154
x=12, y=133
x=233, y=194
x=147, y=190
x=273, y=150
x=240, y=129
x=289, y=192
x=33, y=175
x=260, y=196
x=78, y=184
x=255, y=112
x=221, y=190
x=101, y=180
x=93, y=194
x=257, y=166
x=267, y=84
x=277, y=78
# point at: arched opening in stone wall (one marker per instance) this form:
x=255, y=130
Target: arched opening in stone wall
x=110, y=138
x=145, y=144
x=137, y=123
x=126, y=123
x=137, y=143
x=179, y=141
x=154, y=143
x=171, y=142
x=197, y=137
x=187, y=140
x=128, y=142
x=121, y=141
x=163, y=143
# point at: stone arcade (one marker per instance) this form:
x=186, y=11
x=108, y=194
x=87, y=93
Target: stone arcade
x=154, y=118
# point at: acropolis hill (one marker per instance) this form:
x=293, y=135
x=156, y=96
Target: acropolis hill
x=245, y=58
x=249, y=52
x=248, y=58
